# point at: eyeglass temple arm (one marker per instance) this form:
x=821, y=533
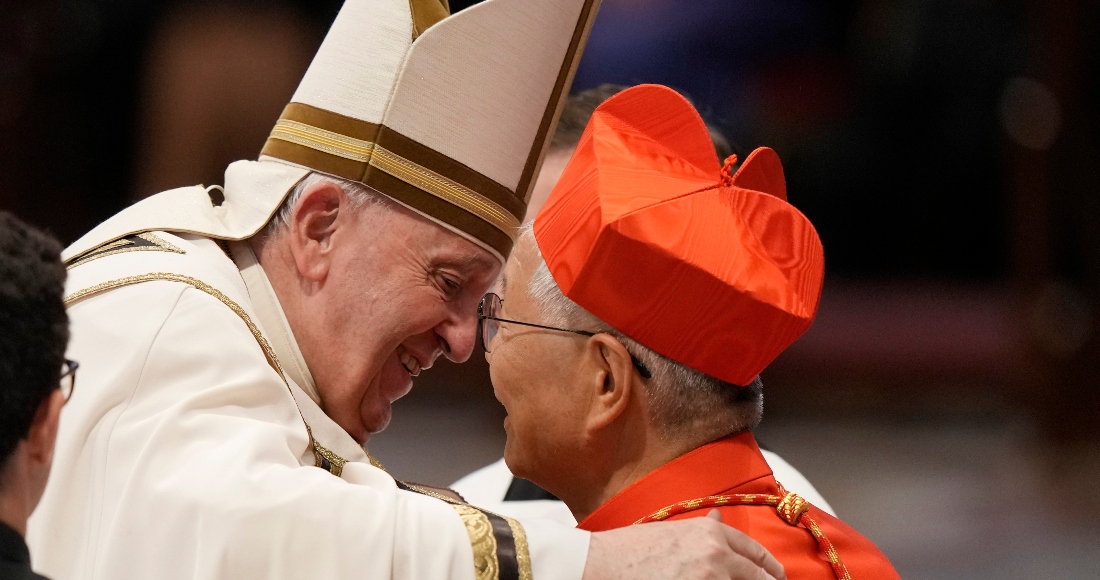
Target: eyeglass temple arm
x=642, y=369
x=580, y=332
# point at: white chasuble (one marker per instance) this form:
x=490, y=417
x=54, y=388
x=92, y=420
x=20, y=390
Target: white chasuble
x=186, y=453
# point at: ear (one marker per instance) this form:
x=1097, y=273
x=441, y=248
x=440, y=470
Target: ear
x=43, y=432
x=313, y=226
x=611, y=380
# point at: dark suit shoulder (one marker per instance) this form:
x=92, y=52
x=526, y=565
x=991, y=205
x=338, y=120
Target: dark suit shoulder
x=18, y=571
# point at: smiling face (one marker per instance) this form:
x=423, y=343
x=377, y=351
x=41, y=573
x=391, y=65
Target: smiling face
x=537, y=376
x=374, y=296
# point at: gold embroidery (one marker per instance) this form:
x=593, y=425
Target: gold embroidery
x=482, y=540
x=320, y=453
x=123, y=245
x=150, y=237
x=474, y=524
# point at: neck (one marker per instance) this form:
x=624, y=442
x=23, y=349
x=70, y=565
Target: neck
x=630, y=454
x=15, y=504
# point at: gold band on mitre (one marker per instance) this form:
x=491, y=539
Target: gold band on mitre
x=413, y=174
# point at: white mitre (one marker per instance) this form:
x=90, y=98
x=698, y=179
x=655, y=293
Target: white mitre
x=448, y=115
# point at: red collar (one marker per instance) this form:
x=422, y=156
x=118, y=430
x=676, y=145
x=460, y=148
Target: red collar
x=728, y=464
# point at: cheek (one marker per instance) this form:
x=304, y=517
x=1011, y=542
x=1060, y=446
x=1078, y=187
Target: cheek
x=538, y=423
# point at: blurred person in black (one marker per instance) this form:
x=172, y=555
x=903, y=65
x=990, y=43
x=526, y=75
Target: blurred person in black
x=34, y=331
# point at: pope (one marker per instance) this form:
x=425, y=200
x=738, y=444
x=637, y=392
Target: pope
x=640, y=307
x=239, y=344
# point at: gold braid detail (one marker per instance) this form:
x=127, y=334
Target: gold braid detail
x=523, y=552
x=123, y=245
x=482, y=540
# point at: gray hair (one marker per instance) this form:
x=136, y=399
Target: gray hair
x=684, y=401
x=359, y=196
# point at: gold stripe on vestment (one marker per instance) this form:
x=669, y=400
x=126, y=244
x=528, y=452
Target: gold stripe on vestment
x=124, y=245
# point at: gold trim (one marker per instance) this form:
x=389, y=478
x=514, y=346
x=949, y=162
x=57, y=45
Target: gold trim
x=374, y=155
x=112, y=245
x=482, y=541
x=473, y=529
x=446, y=189
x=319, y=451
x=554, y=106
x=374, y=461
x=322, y=140
x=123, y=245
x=425, y=491
x=425, y=13
x=523, y=553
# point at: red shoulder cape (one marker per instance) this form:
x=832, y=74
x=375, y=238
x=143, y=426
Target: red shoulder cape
x=732, y=471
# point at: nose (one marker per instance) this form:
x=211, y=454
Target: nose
x=458, y=335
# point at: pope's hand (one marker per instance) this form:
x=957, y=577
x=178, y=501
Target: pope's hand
x=697, y=548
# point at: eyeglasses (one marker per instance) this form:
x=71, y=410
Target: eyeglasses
x=68, y=378
x=489, y=323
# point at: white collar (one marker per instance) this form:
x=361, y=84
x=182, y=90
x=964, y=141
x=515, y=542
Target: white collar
x=272, y=319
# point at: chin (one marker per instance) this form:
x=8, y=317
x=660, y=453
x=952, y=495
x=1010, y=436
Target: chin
x=514, y=460
x=377, y=425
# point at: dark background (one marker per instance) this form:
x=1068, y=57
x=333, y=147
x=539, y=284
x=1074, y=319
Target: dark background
x=946, y=400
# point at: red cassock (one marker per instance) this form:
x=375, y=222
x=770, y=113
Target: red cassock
x=731, y=475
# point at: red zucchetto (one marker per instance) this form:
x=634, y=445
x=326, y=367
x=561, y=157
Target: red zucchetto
x=648, y=232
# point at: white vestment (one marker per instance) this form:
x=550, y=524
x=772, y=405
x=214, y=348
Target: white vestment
x=186, y=453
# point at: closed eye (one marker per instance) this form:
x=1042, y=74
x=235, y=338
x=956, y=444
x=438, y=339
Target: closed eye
x=450, y=286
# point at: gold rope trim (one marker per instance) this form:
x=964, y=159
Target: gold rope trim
x=830, y=551
x=408, y=171
x=482, y=540
x=123, y=245
x=319, y=451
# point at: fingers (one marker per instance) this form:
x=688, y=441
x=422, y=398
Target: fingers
x=715, y=515
x=741, y=568
x=751, y=550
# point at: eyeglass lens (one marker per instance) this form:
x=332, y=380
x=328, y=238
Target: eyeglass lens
x=68, y=379
x=490, y=307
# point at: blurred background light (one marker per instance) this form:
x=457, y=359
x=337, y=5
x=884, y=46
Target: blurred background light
x=1030, y=113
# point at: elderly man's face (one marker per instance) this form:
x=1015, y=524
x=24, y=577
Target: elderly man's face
x=392, y=293
x=535, y=377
